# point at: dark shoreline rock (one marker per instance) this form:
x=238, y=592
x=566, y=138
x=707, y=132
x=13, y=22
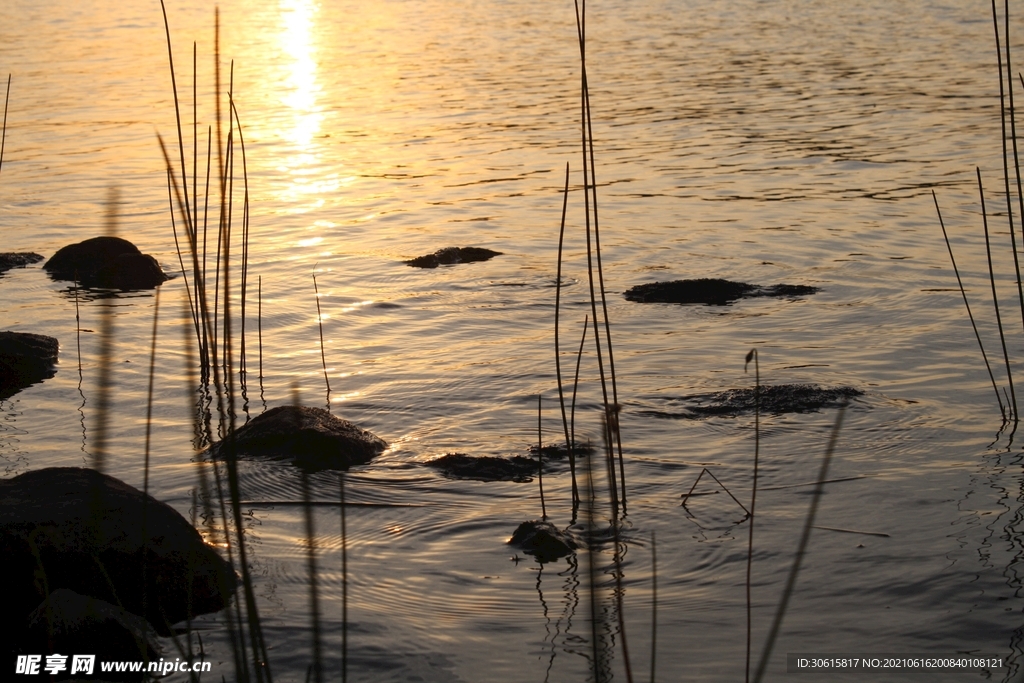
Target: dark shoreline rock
x=452, y=255
x=775, y=399
x=106, y=262
x=312, y=438
x=75, y=528
x=543, y=540
x=709, y=291
x=25, y=359
x=17, y=259
x=485, y=468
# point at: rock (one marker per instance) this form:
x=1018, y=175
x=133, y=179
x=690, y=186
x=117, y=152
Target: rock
x=74, y=528
x=16, y=259
x=775, y=399
x=68, y=623
x=485, y=468
x=452, y=255
x=710, y=291
x=310, y=437
x=108, y=262
x=543, y=540
x=25, y=359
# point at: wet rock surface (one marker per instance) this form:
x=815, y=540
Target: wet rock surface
x=485, y=468
x=25, y=359
x=69, y=623
x=15, y=259
x=543, y=540
x=74, y=528
x=710, y=291
x=452, y=255
x=775, y=399
x=311, y=438
x=107, y=262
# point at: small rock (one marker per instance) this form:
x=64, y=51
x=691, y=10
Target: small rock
x=710, y=291
x=775, y=399
x=543, y=540
x=108, y=262
x=310, y=437
x=485, y=468
x=452, y=255
x=16, y=259
x=25, y=359
x=74, y=528
x=68, y=623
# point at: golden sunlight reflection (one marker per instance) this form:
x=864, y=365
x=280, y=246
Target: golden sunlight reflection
x=301, y=95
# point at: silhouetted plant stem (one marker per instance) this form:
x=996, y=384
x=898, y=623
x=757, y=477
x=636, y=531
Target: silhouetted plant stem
x=540, y=462
x=654, y=602
x=576, y=381
x=323, y=354
x=569, y=444
x=753, y=492
x=787, y=592
x=995, y=298
x=3, y=131
x=149, y=429
x=344, y=583
x=963, y=293
x=259, y=331
x=314, y=598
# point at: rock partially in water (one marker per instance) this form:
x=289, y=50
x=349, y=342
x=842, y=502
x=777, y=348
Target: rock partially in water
x=710, y=291
x=25, y=359
x=17, y=259
x=69, y=623
x=452, y=255
x=74, y=528
x=109, y=262
x=312, y=438
x=543, y=540
x=485, y=468
x=775, y=399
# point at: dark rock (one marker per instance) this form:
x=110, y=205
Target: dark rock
x=74, y=528
x=775, y=399
x=543, y=540
x=14, y=259
x=559, y=451
x=108, y=262
x=451, y=255
x=310, y=437
x=485, y=468
x=69, y=623
x=25, y=359
x=710, y=291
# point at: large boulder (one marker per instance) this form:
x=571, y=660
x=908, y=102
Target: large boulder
x=17, y=259
x=75, y=528
x=710, y=291
x=108, y=262
x=25, y=359
x=452, y=255
x=312, y=438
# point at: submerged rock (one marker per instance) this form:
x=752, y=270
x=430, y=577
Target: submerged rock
x=25, y=359
x=543, y=540
x=109, y=262
x=485, y=468
x=16, y=259
x=69, y=623
x=310, y=437
x=710, y=291
x=75, y=528
x=776, y=399
x=452, y=255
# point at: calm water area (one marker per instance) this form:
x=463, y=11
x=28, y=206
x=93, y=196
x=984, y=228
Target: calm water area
x=766, y=142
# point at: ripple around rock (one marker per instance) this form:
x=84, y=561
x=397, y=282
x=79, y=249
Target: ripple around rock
x=107, y=262
x=775, y=399
x=543, y=540
x=452, y=255
x=710, y=291
x=75, y=528
x=25, y=359
x=15, y=259
x=311, y=438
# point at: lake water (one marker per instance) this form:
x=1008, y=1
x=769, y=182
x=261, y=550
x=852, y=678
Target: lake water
x=764, y=142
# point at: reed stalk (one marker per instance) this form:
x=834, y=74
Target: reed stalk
x=540, y=461
x=3, y=130
x=569, y=444
x=320, y=326
x=753, y=492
